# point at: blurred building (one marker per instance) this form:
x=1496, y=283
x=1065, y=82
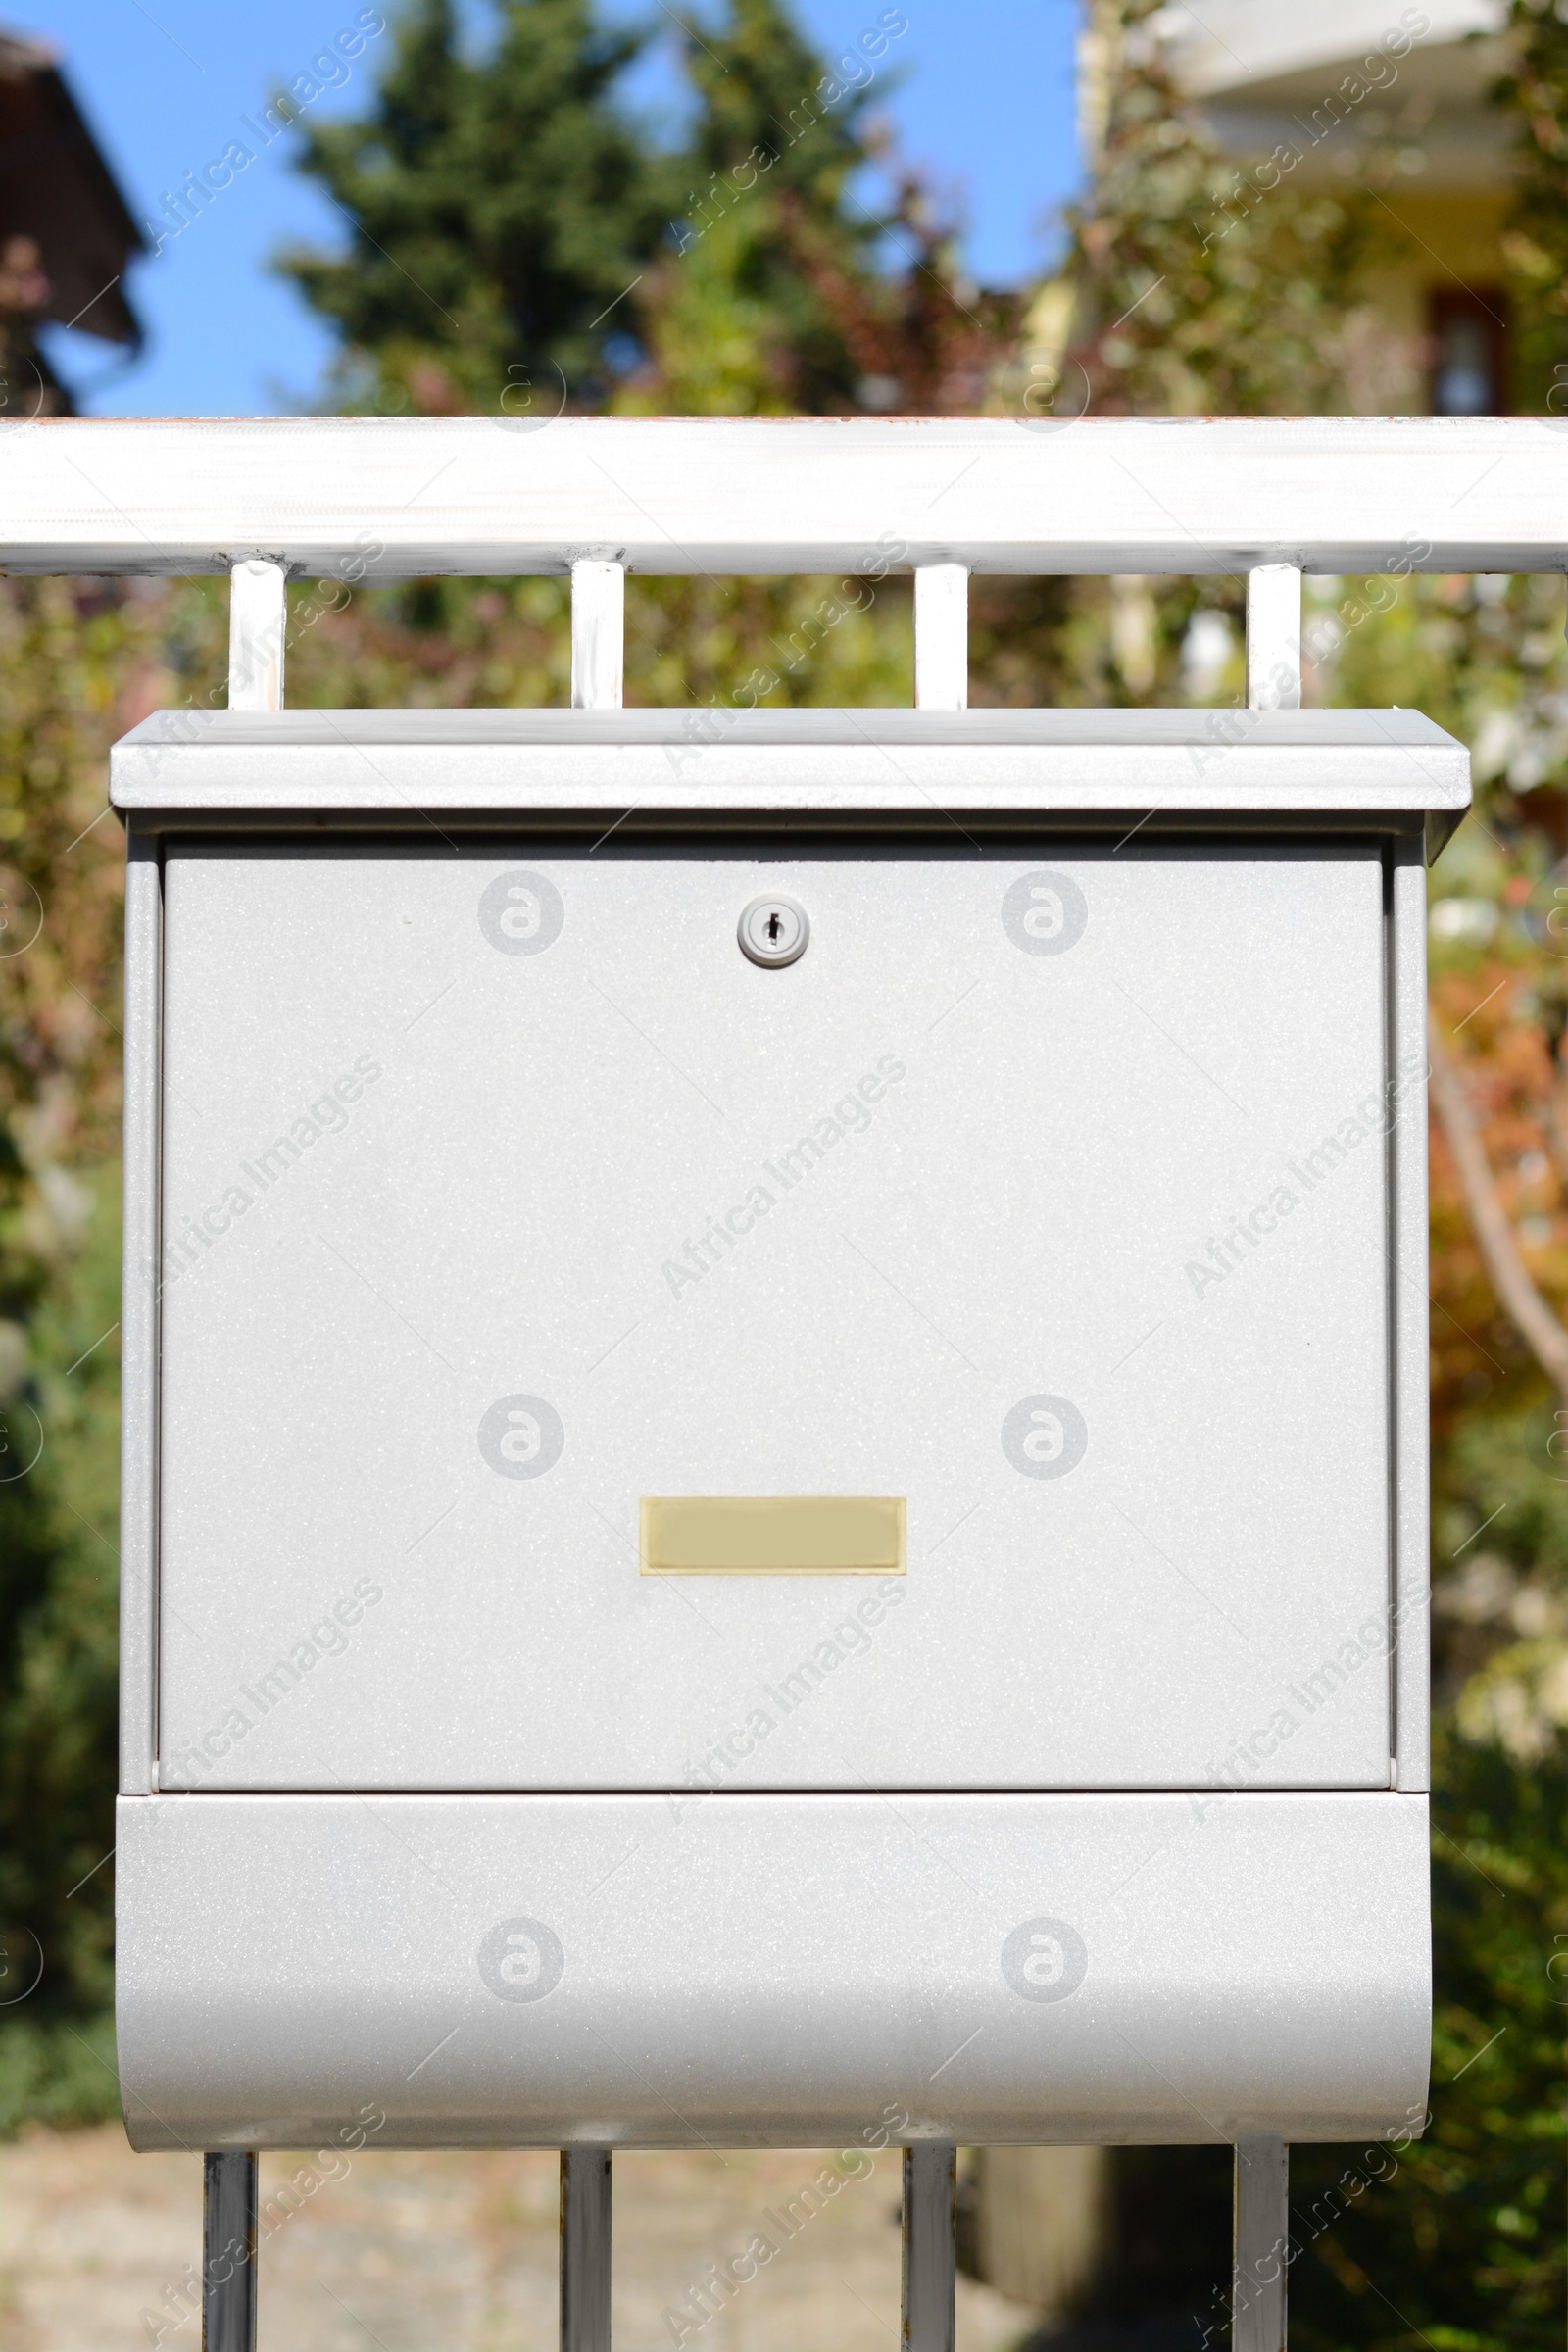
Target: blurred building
x=66, y=233
x=1323, y=80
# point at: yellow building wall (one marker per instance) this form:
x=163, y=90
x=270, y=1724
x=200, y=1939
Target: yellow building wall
x=1441, y=240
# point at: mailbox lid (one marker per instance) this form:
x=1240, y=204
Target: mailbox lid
x=1394, y=770
x=955, y=1197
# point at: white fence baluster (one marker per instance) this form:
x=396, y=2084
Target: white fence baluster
x=257, y=620
x=942, y=637
x=1274, y=637
x=598, y=635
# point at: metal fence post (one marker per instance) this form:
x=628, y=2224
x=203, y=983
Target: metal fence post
x=1262, y=2244
x=930, y=2265
x=228, y=2251
x=585, y=2242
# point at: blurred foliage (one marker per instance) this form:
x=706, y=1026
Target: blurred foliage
x=1457, y=2241
x=55, y=2071
x=1535, y=248
x=77, y=666
x=59, y=1635
x=725, y=644
x=1199, y=285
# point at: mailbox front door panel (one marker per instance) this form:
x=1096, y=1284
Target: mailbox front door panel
x=1044, y=1194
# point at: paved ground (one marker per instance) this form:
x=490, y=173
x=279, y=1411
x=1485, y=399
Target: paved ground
x=449, y=2254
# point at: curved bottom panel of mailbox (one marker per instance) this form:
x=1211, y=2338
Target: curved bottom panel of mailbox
x=785, y=1971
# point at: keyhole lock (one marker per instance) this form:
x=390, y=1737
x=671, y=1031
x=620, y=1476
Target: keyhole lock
x=773, y=930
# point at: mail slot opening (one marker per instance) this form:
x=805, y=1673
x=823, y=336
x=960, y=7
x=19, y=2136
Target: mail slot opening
x=772, y=1535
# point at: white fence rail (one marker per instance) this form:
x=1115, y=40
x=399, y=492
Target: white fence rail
x=369, y=498
x=374, y=499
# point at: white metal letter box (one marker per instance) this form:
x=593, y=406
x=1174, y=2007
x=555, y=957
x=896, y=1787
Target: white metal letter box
x=777, y=1417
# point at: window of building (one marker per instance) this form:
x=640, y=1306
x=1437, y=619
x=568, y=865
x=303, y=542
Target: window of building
x=1469, y=353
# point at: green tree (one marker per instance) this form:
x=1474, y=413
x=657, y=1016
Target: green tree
x=500, y=208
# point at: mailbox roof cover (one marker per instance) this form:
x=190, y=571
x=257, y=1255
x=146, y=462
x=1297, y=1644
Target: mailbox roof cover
x=838, y=766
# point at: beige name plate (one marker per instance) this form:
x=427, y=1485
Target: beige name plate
x=772, y=1535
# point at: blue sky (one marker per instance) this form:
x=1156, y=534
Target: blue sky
x=985, y=105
